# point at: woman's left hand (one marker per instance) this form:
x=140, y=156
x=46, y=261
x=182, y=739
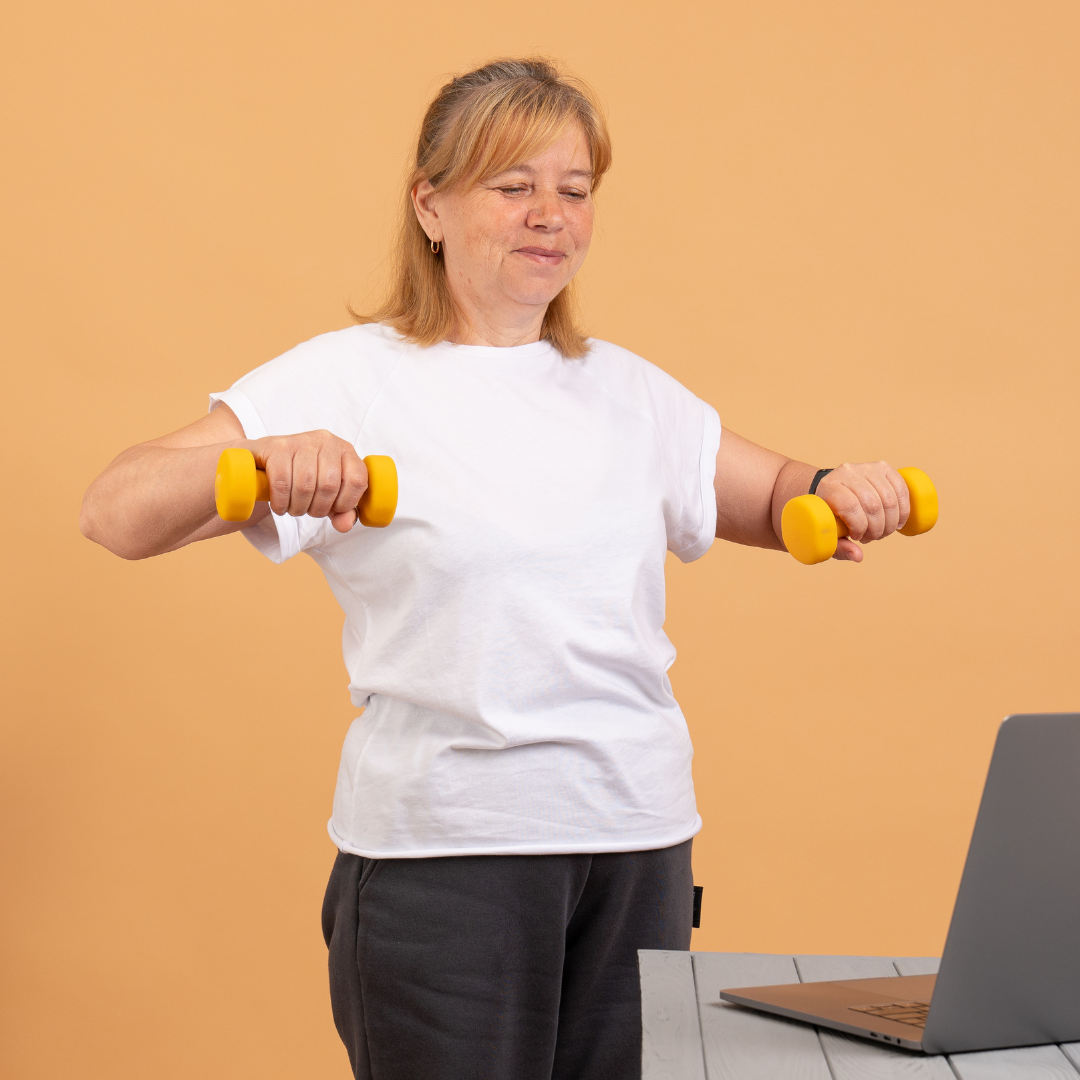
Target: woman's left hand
x=871, y=499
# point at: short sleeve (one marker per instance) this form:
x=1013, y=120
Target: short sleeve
x=327, y=383
x=692, y=527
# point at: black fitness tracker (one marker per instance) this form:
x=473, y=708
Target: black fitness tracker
x=818, y=477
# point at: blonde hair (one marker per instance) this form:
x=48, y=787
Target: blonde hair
x=481, y=124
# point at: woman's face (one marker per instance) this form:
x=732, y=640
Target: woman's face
x=512, y=242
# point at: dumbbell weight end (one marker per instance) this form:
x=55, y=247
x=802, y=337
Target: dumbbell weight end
x=809, y=529
x=236, y=485
x=378, y=504
x=924, y=502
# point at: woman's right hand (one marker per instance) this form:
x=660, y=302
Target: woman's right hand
x=314, y=473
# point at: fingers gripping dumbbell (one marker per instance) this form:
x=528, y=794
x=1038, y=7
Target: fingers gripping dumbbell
x=239, y=485
x=810, y=529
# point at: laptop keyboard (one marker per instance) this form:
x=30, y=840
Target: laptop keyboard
x=903, y=1012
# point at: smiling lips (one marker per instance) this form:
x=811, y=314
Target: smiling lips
x=543, y=256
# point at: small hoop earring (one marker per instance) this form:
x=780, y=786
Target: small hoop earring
x=435, y=245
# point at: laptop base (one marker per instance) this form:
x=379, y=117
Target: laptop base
x=835, y=1004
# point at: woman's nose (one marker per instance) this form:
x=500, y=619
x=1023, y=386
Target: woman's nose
x=546, y=212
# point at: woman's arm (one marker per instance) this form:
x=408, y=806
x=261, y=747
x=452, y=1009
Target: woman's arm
x=159, y=495
x=753, y=484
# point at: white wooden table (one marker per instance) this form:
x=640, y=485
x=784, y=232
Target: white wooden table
x=690, y=1034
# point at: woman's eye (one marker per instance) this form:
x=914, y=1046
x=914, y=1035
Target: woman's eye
x=514, y=189
x=573, y=193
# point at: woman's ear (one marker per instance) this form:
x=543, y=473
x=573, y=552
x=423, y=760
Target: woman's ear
x=423, y=200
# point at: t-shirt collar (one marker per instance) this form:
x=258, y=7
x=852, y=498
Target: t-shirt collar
x=496, y=352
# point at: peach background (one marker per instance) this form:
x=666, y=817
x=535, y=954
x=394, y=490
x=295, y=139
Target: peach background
x=851, y=226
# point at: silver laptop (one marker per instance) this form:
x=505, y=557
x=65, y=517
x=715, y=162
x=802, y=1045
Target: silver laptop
x=1010, y=973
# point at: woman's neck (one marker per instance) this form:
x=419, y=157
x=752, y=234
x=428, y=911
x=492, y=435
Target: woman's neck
x=502, y=329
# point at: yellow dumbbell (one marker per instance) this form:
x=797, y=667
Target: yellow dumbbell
x=238, y=486
x=810, y=529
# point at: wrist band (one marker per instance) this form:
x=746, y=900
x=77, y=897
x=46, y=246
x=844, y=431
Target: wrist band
x=818, y=477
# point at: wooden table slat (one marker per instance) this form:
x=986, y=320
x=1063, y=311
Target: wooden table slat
x=744, y=1045
x=917, y=965
x=1024, y=1063
x=1072, y=1052
x=851, y=1058
x=820, y=968
x=671, y=1047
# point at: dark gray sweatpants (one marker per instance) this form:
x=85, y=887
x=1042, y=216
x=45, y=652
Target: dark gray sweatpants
x=499, y=967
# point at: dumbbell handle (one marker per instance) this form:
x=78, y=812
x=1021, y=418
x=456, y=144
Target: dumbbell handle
x=810, y=529
x=239, y=485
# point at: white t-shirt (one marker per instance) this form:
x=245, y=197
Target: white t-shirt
x=505, y=632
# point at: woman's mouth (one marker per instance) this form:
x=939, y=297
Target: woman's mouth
x=542, y=256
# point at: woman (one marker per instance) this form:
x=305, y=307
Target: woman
x=514, y=809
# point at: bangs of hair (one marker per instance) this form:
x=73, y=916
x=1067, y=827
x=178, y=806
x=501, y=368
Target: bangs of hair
x=506, y=131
